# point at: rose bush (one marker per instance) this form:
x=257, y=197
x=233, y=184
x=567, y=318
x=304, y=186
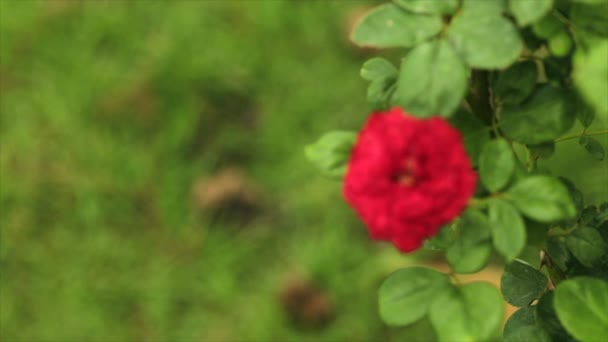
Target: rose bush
x=408, y=176
x=512, y=77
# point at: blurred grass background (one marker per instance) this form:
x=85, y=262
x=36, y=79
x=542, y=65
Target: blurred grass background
x=114, y=113
x=119, y=219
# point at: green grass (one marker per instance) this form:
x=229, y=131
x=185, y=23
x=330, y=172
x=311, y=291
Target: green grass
x=112, y=110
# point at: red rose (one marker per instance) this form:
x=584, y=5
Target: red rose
x=406, y=177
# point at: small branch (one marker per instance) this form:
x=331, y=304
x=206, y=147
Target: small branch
x=562, y=232
x=475, y=202
x=582, y=134
x=479, y=97
x=532, y=163
x=495, y=126
x=453, y=276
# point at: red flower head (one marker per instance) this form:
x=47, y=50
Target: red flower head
x=406, y=177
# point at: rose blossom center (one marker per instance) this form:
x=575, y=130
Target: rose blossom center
x=406, y=174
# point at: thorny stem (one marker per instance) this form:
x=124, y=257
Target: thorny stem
x=582, y=134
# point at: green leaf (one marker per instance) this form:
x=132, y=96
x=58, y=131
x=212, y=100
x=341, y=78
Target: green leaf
x=591, y=21
x=383, y=76
x=406, y=295
x=530, y=333
x=472, y=250
x=581, y=305
x=542, y=150
x=558, y=70
x=526, y=325
x=542, y=198
x=547, y=318
x=546, y=115
x=526, y=12
x=548, y=26
x=523, y=317
x=378, y=68
x=603, y=229
x=331, y=152
x=516, y=83
x=522, y=283
x=602, y=213
x=379, y=93
x=474, y=34
x=584, y=113
x=590, y=72
x=492, y=8
x=474, y=133
x=496, y=164
x=473, y=312
x=429, y=7
x=531, y=41
x=592, y=216
x=593, y=147
x=587, y=246
x=589, y=215
x=432, y=81
x=590, y=1
x=575, y=194
x=443, y=240
x=390, y=26
x=469, y=259
x=561, y=44
x=508, y=229
x=557, y=250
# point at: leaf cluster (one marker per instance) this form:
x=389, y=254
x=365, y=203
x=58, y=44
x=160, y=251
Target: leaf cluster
x=514, y=76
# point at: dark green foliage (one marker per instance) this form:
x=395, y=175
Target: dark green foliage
x=536, y=323
x=521, y=71
x=521, y=283
x=595, y=149
x=546, y=115
x=515, y=84
x=587, y=246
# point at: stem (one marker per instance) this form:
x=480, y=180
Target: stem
x=562, y=232
x=495, y=127
x=454, y=278
x=568, y=24
x=583, y=133
x=474, y=202
x=532, y=163
x=562, y=18
x=479, y=98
